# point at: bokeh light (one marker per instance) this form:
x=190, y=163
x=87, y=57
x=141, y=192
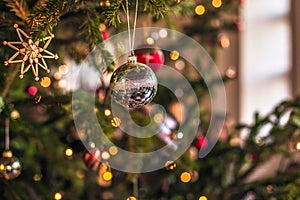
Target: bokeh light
x=185, y=177
x=113, y=150
x=58, y=196
x=107, y=176
x=203, y=198
x=217, y=3
x=174, y=55
x=45, y=82
x=105, y=155
x=69, y=152
x=200, y=10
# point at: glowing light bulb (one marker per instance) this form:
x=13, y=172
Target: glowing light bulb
x=113, y=150
x=174, y=55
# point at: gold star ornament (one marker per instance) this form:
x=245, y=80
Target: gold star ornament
x=33, y=55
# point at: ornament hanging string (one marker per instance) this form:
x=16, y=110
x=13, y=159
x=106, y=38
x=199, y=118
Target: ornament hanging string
x=131, y=42
x=7, y=134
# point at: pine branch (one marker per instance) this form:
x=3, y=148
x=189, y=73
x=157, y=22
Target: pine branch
x=46, y=17
x=112, y=13
x=156, y=7
x=20, y=8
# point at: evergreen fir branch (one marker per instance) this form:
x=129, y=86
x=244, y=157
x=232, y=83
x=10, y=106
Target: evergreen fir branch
x=46, y=16
x=95, y=39
x=156, y=7
x=20, y=8
x=112, y=13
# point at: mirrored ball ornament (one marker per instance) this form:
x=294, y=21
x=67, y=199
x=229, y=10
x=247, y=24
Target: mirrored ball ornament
x=133, y=84
x=10, y=167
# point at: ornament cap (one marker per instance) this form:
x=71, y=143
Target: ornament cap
x=7, y=154
x=132, y=59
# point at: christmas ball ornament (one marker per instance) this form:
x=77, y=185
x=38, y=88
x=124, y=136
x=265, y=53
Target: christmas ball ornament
x=150, y=55
x=31, y=90
x=104, y=35
x=133, y=84
x=201, y=143
x=92, y=159
x=10, y=167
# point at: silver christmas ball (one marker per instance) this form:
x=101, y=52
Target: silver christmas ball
x=10, y=166
x=133, y=84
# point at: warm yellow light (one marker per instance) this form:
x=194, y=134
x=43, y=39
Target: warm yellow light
x=107, y=112
x=105, y=155
x=298, y=146
x=203, y=198
x=102, y=27
x=131, y=198
x=2, y=167
x=150, y=40
x=57, y=196
x=45, y=82
x=37, y=177
x=14, y=114
x=200, y=10
x=185, y=177
x=224, y=41
x=62, y=83
x=217, y=3
x=174, y=55
x=170, y=165
x=107, y=176
x=115, y=122
x=113, y=150
x=69, y=152
x=57, y=75
x=63, y=69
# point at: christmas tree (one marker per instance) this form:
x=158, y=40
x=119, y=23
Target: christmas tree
x=70, y=133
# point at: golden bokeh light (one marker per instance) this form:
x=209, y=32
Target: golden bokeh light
x=203, y=198
x=107, y=112
x=63, y=69
x=185, y=177
x=45, y=82
x=58, y=196
x=131, y=198
x=15, y=114
x=107, y=176
x=224, y=41
x=298, y=146
x=174, y=55
x=200, y=10
x=150, y=40
x=113, y=150
x=170, y=165
x=69, y=152
x=115, y=122
x=217, y=3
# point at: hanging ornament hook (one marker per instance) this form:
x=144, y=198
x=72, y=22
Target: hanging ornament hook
x=131, y=42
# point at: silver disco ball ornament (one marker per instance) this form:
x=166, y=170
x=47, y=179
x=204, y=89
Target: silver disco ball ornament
x=10, y=167
x=133, y=84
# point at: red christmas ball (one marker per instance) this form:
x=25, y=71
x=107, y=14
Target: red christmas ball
x=92, y=159
x=32, y=90
x=201, y=143
x=150, y=55
x=104, y=35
